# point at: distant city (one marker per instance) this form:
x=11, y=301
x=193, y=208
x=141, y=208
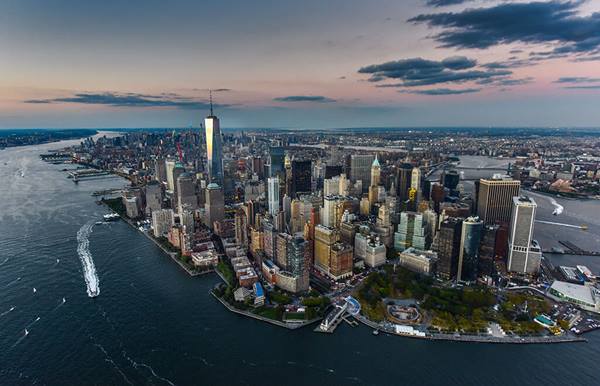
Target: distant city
x=387, y=228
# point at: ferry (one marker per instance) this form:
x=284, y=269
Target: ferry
x=111, y=217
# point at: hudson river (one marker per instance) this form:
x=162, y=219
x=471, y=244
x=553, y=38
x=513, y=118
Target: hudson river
x=153, y=324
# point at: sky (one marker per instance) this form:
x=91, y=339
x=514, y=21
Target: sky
x=300, y=64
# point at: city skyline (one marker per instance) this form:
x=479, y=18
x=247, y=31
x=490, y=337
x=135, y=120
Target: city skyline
x=301, y=65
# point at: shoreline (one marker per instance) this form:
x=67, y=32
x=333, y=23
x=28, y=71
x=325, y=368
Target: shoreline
x=476, y=338
x=172, y=255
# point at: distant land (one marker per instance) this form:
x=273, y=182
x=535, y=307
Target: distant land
x=23, y=137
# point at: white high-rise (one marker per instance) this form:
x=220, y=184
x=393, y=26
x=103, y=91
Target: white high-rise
x=524, y=254
x=273, y=192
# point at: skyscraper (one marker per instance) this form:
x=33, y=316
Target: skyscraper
x=214, y=148
x=470, y=240
x=276, y=157
x=524, y=255
x=298, y=260
x=215, y=206
x=273, y=193
x=403, y=181
x=301, y=178
x=411, y=232
x=360, y=169
x=447, y=245
x=186, y=192
x=495, y=199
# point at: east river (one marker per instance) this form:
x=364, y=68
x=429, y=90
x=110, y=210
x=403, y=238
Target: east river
x=153, y=324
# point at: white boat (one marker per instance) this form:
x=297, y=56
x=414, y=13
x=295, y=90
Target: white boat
x=111, y=217
x=26, y=332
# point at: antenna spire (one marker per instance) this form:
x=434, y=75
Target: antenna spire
x=211, y=105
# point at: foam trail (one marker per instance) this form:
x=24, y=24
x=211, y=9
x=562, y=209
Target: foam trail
x=12, y=282
x=32, y=323
x=11, y=309
x=87, y=263
x=4, y=262
x=110, y=360
x=135, y=366
x=558, y=209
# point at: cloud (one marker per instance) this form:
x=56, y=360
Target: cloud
x=444, y=3
x=577, y=79
x=416, y=72
x=589, y=87
x=441, y=91
x=304, y=98
x=129, y=100
x=552, y=22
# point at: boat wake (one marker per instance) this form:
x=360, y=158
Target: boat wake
x=89, y=270
x=558, y=209
x=12, y=282
x=135, y=365
x=11, y=309
x=4, y=262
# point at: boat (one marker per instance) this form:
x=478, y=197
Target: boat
x=26, y=332
x=111, y=217
x=375, y=332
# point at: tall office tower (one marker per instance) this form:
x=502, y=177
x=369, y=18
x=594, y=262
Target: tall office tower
x=269, y=238
x=214, y=208
x=214, y=148
x=154, y=196
x=241, y=228
x=273, y=193
x=430, y=219
x=160, y=170
x=437, y=196
x=186, y=192
x=360, y=169
x=276, y=158
x=344, y=189
x=415, y=187
x=162, y=221
x=487, y=251
x=331, y=186
x=186, y=219
x=328, y=213
x=447, y=246
x=384, y=227
x=411, y=232
x=169, y=166
x=287, y=209
x=340, y=262
x=282, y=239
x=175, y=173
x=370, y=249
x=333, y=170
x=524, y=254
x=298, y=261
x=450, y=180
x=470, y=241
x=403, y=181
x=325, y=237
x=495, y=200
x=301, y=177
x=375, y=172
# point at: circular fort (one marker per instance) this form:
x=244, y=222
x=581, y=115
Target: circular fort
x=403, y=314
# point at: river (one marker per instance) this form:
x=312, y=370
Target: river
x=154, y=324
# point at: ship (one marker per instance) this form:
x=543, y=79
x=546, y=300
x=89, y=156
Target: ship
x=111, y=217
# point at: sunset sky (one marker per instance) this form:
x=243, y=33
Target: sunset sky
x=300, y=64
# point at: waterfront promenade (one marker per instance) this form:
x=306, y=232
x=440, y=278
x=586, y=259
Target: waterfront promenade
x=509, y=339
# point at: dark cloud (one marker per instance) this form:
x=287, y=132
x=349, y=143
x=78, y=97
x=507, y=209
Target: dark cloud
x=577, y=79
x=422, y=72
x=551, y=22
x=589, y=87
x=441, y=91
x=444, y=3
x=304, y=98
x=129, y=100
